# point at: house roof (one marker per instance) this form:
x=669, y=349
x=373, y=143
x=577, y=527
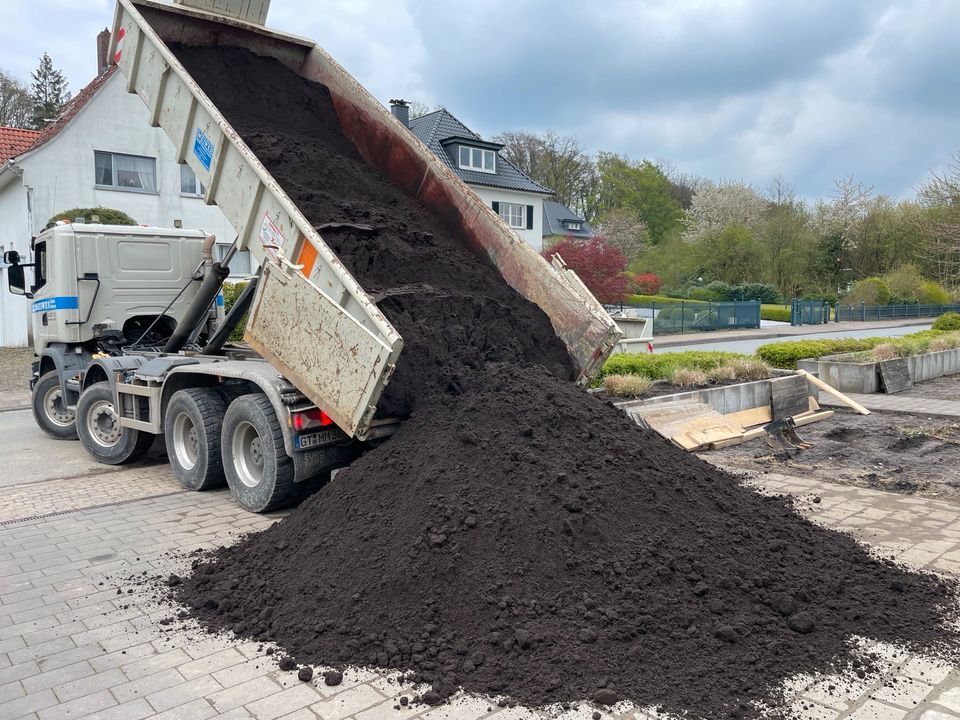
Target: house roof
x=439, y=126
x=556, y=220
x=73, y=108
x=14, y=141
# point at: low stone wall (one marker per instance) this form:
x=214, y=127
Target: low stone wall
x=852, y=377
x=727, y=399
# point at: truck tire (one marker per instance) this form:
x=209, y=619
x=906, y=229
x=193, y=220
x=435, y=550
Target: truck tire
x=259, y=471
x=49, y=410
x=99, y=428
x=192, y=428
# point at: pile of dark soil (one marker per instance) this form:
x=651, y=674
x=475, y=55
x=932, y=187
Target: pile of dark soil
x=518, y=536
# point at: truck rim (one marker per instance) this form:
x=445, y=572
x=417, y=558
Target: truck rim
x=103, y=424
x=248, y=454
x=185, y=441
x=55, y=409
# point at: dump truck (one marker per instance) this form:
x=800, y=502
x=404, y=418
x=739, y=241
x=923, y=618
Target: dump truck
x=300, y=397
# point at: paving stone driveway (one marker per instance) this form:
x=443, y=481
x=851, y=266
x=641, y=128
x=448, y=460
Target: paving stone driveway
x=79, y=640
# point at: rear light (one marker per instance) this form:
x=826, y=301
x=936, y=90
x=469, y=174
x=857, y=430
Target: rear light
x=307, y=419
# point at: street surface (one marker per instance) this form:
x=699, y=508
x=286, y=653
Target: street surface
x=79, y=639
x=748, y=347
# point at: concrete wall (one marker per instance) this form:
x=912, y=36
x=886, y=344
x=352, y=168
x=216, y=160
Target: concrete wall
x=725, y=400
x=851, y=377
x=533, y=237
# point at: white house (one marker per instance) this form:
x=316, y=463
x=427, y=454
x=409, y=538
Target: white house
x=100, y=152
x=499, y=183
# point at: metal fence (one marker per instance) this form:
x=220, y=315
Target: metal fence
x=689, y=317
x=809, y=312
x=890, y=312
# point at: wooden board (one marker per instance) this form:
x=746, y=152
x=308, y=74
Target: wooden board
x=834, y=392
x=895, y=375
x=751, y=417
x=789, y=396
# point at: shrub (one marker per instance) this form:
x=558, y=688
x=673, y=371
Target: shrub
x=648, y=300
x=947, y=321
x=749, y=369
x=597, y=263
x=944, y=343
x=904, y=282
x=932, y=294
x=886, y=351
x=660, y=366
x=760, y=292
x=688, y=377
x=107, y=216
x=785, y=354
x=869, y=291
x=626, y=385
x=647, y=283
x=721, y=374
x=775, y=312
x=231, y=291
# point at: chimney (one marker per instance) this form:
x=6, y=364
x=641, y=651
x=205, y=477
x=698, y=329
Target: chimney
x=401, y=111
x=103, y=43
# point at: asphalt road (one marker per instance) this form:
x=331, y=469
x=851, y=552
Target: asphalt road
x=750, y=346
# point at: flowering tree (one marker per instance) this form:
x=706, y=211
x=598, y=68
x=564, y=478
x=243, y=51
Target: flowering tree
x=716, y=207
x=598, y=264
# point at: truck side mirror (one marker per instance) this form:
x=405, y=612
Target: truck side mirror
x=15, y=280
x=11, y=257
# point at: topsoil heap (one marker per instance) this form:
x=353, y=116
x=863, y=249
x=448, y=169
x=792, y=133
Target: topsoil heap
x=516, y=536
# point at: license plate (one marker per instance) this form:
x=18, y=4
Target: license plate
x=324, y=437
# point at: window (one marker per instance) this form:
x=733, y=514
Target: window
x=40, y=267
x=572, y=225
x=472, y=158
x=514, y=215
x=189, y=182
x=239, y=264
x=125, y=172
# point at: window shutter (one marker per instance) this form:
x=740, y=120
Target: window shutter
x=496, y=207
x=529, y=217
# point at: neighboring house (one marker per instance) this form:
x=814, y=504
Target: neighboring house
x=100, y=152
x=560, y=222
x=498, y=182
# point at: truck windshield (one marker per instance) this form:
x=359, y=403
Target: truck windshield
x=40, y=269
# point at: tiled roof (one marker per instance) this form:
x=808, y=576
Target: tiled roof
x=14, y=141
x=73, y=108
x=435, y=127
x=554, y=215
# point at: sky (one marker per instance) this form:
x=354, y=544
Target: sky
x=815, y=90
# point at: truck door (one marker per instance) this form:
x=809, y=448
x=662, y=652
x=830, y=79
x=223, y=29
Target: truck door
x=55, y=301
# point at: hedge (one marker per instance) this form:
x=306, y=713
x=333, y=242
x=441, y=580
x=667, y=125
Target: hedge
x=661, y=366
x=775, y=312
x=947, y=321
x=784, y=355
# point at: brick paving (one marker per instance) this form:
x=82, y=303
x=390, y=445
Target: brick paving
x=78, y=639
x=880, y=402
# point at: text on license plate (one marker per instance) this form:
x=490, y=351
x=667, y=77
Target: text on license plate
x=305, y=442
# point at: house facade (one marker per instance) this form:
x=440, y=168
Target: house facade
x=499, y=183
x=100, y=152
x=561, y=222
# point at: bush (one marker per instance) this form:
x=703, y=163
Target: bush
x=231, y=291
x=869, y=291
x=947, y=321
x=932, y=294
x=749, y=369
x=626, y=385
x=660, y=366
x=648, y=300
x=904, y=283
x=107, y=216
x=775, y=312
x=647, y=283
x=760, y=292
x=784, y=355
x=689, y=377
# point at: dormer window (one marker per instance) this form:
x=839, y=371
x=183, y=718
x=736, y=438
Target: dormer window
x=472, y=158
x=571, y=225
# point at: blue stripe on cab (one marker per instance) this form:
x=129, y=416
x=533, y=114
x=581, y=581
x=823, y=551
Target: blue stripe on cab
x=64, y=302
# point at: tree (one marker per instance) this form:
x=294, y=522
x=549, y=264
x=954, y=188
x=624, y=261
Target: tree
x=623, y=228
x=557, y=162
x=940, y=196
x=717, y=206
x=419, y=109
x=49, y=90
x=598, y=264
x=731, y=255
x=16, y=105
x=642, y=187
x=786, y=240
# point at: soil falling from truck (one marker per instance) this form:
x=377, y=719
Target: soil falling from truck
x=516, y=536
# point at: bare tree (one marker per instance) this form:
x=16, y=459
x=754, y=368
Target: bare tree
x=940, y=197
x=16, y=104
x=419, y=109
x=557, y=162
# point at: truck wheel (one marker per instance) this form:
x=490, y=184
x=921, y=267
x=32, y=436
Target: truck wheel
x=50, y=411
x=99, y=428
x=259, y=471
x=192, y=426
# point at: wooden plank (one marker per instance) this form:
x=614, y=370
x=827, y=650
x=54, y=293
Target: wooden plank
x=895, y=375
x=788, y=396
x=751, y=417
x=812, y=418
x=814, y=405
x=746, y=437
x=834, y=392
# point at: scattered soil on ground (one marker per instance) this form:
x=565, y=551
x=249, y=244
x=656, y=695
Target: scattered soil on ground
x=908, y=454
x=517, y=536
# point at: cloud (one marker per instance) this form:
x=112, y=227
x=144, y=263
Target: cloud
x=742, y=89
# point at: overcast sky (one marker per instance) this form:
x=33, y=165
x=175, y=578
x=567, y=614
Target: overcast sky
x=736, y=89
